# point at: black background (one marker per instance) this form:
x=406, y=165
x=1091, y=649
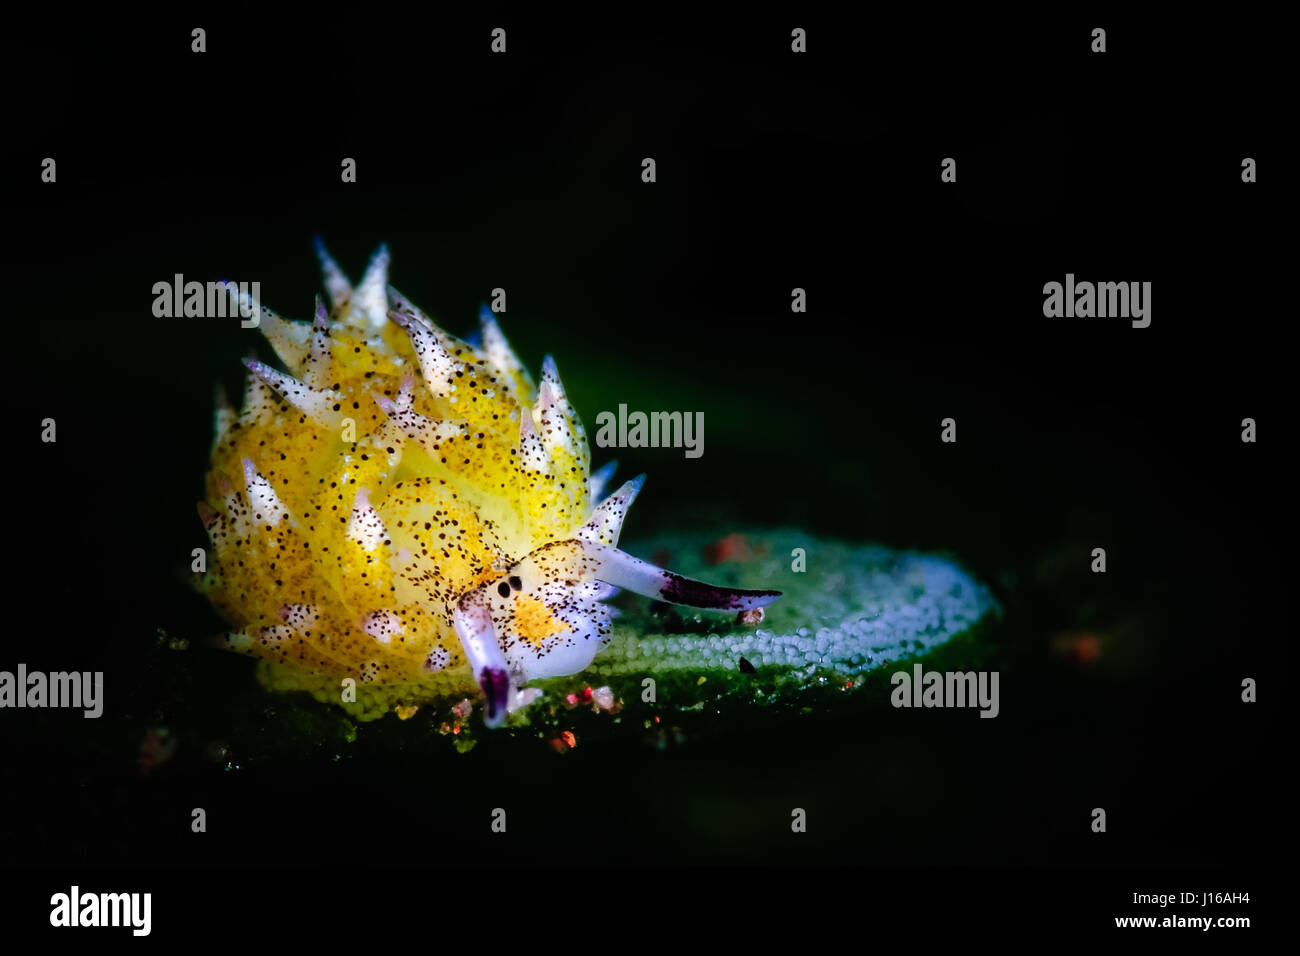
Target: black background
x=774, y=171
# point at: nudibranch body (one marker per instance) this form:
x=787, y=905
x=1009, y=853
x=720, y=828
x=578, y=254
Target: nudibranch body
x=409, y=510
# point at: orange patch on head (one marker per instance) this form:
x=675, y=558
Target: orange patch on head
x=534, y=621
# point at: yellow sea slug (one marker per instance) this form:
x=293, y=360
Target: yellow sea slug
x=408, y=510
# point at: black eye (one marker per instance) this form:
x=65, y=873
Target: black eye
x=503, y=589
x=516, y=583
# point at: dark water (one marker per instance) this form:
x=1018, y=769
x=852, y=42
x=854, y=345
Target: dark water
x=924, y=302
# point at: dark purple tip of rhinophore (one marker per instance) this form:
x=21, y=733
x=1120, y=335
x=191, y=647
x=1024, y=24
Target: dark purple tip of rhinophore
x=680, y=590
x=496, y=692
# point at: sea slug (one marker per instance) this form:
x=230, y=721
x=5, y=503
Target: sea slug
x=402, y=515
